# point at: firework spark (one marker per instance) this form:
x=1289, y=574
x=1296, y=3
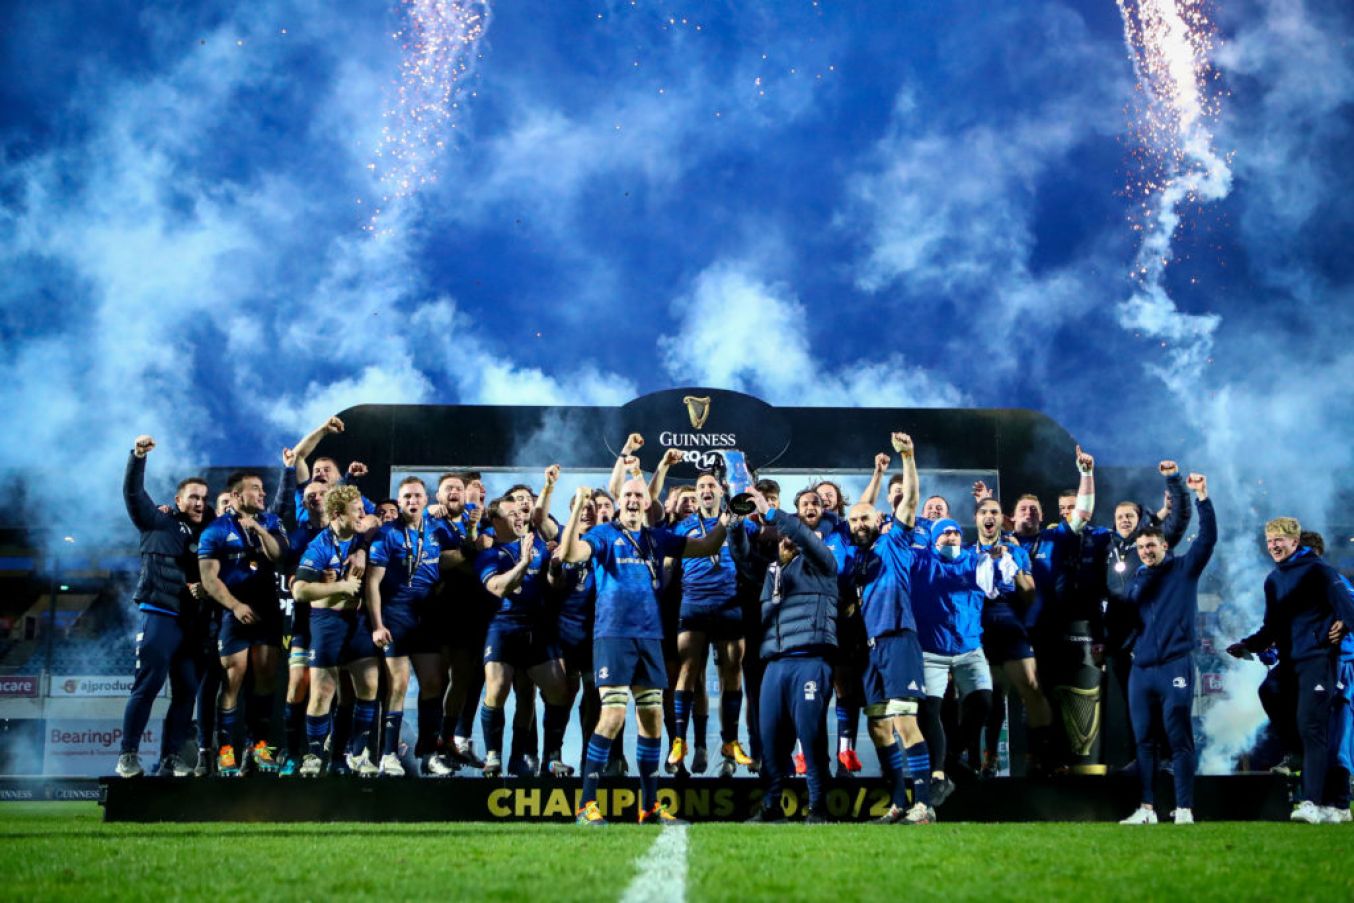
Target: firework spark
x=439, y=43
x=1170, y=44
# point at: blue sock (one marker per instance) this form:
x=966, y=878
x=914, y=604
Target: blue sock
x=700, y=727
x=648, y=753
x=317, y=729
x=681, y=712
x=429, y=725
x=228, y=727
x=260, y=715
x=555, y=723
x=295, y=719
x=730, y=710
x=919, y=764
x=893, y=766
x=343, y=729
x=390, y=732
x=599, y=753
x=364, y=718
x=843, y=727
x=852, y=724
x=491, y=725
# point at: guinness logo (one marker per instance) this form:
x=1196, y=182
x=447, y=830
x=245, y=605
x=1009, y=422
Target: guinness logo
x=698, y=409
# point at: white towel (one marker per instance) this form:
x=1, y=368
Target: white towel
x=990, y=570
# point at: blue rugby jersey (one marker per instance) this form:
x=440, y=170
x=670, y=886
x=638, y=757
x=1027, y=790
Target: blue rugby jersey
x=526, y=604
x=410, y=556
x=627, y=567
x=709, y=582
x=326, y=552
x=245, y=570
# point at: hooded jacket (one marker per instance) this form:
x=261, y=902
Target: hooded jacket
x=1303, y=597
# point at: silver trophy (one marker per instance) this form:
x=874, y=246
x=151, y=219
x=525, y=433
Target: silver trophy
x=732, y=471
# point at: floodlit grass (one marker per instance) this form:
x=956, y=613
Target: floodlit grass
x=65, y=851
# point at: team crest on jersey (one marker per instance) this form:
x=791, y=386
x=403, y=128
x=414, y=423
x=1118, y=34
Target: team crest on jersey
x=1178, y=682
x=811, y=690
x=603, y=673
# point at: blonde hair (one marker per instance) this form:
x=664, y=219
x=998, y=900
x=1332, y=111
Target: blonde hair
x=337, y=500
x=1284, y=526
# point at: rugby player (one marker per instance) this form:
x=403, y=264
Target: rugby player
x=403, y=567
x=238, y=555
x=627, y=559
x=329, y=580
x=520, y=637
x=710, y=613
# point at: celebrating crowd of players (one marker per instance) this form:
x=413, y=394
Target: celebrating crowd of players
x=888, y=612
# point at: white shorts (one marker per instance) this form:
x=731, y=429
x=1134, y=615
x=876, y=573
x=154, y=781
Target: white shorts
x=970, y=671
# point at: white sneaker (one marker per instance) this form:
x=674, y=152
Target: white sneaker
x=1141, y=816
x=129, y=766
x=311, y=766
x=1308, y=812
x=493, y=765
x=362, y=765
x=1183, y=816
x=920, y=814
x=1339, y=816
x=391, y=767
x=437, y=765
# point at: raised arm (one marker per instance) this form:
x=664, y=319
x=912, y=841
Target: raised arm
x=576, y=551
x=1085, y=492
x=624, y=462
x=306, y=447
x=286, y=485
x=140, y=506
x=881, y=467
x=906, y=511
x=670, y=457
x=1202, y=548
x=540, y=515
x=1177, y=517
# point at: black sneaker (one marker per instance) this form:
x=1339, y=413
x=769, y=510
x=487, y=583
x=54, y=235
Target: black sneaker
x=815, y=816
x=766, y=815
x=941, y=788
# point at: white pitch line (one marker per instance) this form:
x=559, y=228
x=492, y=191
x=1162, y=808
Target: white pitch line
x=660, y=874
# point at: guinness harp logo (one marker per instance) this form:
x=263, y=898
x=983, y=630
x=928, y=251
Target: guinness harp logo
x=698, y=409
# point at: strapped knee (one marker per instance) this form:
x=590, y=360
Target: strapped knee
x=614, y=699
x=648, y=699
x=892, y=708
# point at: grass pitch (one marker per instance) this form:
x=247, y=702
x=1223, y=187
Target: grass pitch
x=64, y=851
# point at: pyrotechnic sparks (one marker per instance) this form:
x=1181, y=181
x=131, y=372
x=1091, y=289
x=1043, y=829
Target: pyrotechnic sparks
x=439, y=41
x=1170, y=43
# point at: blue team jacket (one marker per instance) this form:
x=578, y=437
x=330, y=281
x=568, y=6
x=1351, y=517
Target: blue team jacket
x=799, y=600
x=1303, y=597
x=1167, y=597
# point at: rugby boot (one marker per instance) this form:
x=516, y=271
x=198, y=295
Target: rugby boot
x=226, y=766
x=590, y=815
x=261, y=754
x=658, y=814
